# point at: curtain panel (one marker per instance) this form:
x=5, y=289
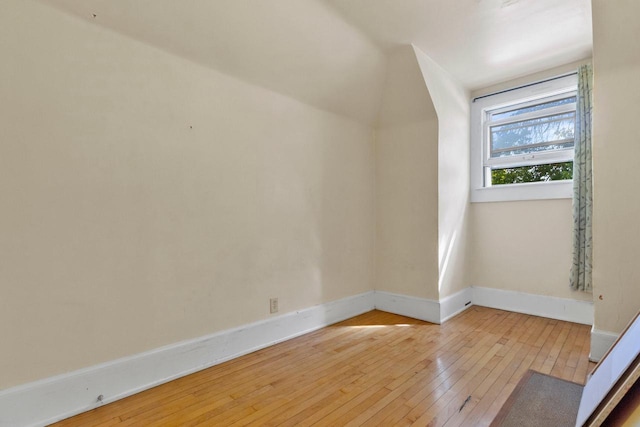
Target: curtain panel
x=580, y=277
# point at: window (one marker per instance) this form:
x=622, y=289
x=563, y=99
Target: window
x=522, y=142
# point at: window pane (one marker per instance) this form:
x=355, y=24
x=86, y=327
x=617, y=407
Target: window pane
x=535, y=173
x=537, y=107
x=534, y=135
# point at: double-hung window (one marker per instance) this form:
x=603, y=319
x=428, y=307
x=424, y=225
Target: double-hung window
x=522, y=142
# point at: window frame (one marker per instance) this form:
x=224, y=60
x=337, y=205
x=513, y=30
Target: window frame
x=556, y=88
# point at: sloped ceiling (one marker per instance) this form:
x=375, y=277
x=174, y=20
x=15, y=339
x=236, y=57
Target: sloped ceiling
x=480, y=42
x=301, y=48
x=406, y=98
x=332, y=54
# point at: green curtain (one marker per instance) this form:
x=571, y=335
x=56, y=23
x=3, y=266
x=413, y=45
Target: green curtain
x=580, y=277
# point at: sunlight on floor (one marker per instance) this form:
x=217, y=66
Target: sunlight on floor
x=375, y=326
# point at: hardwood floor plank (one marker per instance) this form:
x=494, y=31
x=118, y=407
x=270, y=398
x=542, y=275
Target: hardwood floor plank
x=489, y=387
x=545, y=350
x=377, y=369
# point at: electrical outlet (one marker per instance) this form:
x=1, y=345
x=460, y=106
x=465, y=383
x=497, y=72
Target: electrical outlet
x=273, y=305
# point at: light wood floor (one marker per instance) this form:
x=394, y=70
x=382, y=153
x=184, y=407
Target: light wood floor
x=377, y=369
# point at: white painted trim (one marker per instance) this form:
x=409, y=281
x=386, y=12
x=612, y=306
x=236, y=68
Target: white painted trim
x=405, y=305
x=529, y=191
x=612, y=367
x=53, y=399
x=455, y=304
x=46, y=401
x=601, y=342
x=538, y=305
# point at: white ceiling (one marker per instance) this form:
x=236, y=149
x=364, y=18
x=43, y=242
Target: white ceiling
x=332, y=53
x=480, y=42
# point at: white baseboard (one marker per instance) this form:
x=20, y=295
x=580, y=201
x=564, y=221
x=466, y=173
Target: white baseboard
x=455, y=304
x=601, y=342
x=538, y=305
x=53, y=399
x=418, y=308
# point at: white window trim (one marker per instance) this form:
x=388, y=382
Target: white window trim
x=513, y=192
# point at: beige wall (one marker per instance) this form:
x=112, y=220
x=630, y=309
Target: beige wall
x=616, y=150
x=523, y=246
x=451, y=103
x=407, y=183
x=147, y=200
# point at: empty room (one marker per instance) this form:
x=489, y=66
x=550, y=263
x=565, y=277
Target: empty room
x=317, y=212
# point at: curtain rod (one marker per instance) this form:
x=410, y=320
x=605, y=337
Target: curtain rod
x=527, y=85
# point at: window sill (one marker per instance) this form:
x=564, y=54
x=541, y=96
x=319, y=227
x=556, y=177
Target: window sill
x=528, y=191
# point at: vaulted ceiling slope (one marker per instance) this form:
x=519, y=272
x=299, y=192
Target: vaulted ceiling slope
x=332, y=54
x=301, y=48
x=480, y=42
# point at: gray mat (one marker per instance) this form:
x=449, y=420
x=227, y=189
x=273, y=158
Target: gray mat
x=540, y=400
